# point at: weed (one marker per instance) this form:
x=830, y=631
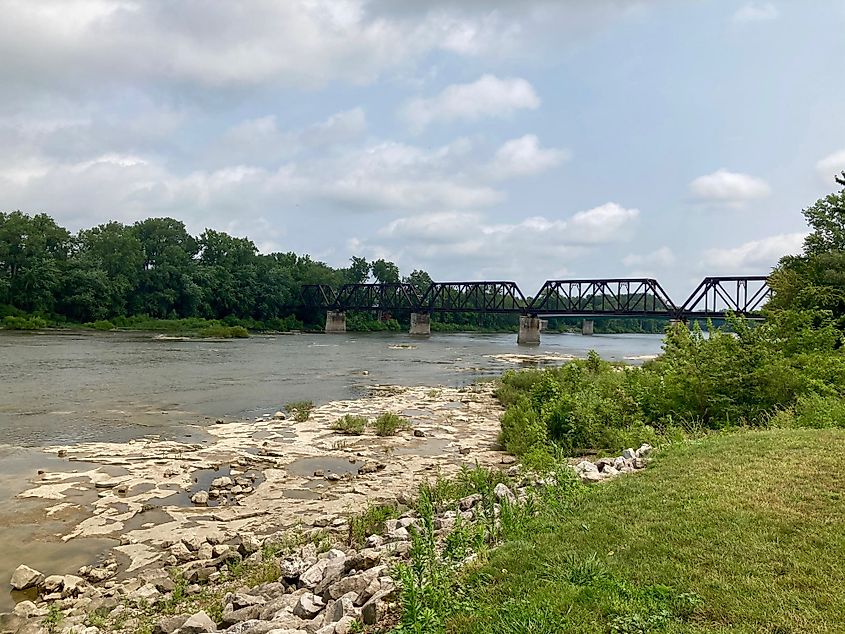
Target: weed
x=54, y=618
x=300, y=410
x=350, y=425
x=370, y=522
x=389, y=424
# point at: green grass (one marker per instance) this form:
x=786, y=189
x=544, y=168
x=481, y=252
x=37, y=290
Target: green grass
x=350, y=425
x=739, y=532
x=300, y=410
x=389, y=424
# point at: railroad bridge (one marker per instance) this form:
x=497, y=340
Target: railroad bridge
x=713, y=298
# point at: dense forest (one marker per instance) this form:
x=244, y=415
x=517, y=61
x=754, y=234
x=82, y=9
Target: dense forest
x=154, y=273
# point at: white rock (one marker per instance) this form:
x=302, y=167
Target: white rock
x=199, y=623
x=25, y=577
x=308, y=606
x=644, y=450
x=502, y=492
x=222, y=482
x=25, y=609
x=585, y=466
x=53, y=583
x=147, y=592
x=200, y=497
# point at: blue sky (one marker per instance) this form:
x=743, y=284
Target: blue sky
x=498, y=139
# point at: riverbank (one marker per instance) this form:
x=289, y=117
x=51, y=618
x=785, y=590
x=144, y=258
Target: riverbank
x=264, y=475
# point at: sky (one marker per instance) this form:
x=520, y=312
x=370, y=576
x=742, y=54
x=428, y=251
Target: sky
x=515, y=140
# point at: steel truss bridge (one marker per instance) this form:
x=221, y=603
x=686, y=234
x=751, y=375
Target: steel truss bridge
x=713, y=298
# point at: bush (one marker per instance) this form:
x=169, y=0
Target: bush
x=300, y=410
x=102, y=324
x=24, y=323
x=350, y=425
x=225, y=332
x=389, y=424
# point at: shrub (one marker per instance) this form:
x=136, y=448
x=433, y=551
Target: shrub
x=225, y=332
x=24, y=323
x=350, y=425
x=300, y=410
x=370, y=522
x=101, y=324
x=388, y=424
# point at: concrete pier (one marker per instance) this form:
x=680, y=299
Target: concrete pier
x=420, y=324
x=529, y=331
x=587, y=327
x=335, y=321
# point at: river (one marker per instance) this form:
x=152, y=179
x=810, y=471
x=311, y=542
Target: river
x=65, y=387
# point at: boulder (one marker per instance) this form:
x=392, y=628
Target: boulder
x=346, y=625
x=200, y=497
x=25, y=609
x=293, y=567
x=170, y=624
x=308, y=606
x=502, y=492
x=585, y=466
x=644, y=450
x=629, y=454
x=25, y=577
x=53, y=583
x=199, y=623
x=222, y=482
x=468, y=502
x=248, y=613
x=314, y=575
x=72, y=585
x=147, y=592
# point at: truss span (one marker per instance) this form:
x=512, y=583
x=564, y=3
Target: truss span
x=714, y=297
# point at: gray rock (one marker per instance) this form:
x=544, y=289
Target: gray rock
x=590, y=476
x=354, y=583
x=53, y=583
x=199, y=623
x=618, y=463
x=314, y=575
x=346, y=625
x=644, y=450
x=72, y=585
x=343, y=606
x=193, y=542
x=293, y=567
x=248, y=613
x=308, y=606
x=25, y=577
x=629, y=454
x=148, y=592
x=465, y=504
x=585, y=466
x=170, y=624
x=502, y=492
x=222, y=482
x=363, y=560
x=419, y=433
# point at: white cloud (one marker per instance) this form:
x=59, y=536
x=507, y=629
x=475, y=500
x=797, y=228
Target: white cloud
x=524, y=156
x=831, y=165
x=756, y=256
x=659, y=258
x=756, y=12
x=488, y=96
x=472, y=244
x=728, y=188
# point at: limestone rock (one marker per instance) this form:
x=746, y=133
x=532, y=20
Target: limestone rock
x=25, y=577
x=466, y=503
x=25, y=609
x=170, y=624
x=502, y=492
x=629, y=454
x=199, y=623
x=200, y=497
x=222, y=482
x=308, y=606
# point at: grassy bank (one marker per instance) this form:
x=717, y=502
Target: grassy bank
x=739, y=532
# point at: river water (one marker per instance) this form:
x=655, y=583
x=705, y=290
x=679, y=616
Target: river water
x=63, y=387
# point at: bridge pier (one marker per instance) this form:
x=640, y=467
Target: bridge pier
x=335, y=321
x=420, y=324
x=529, y=331
x=587, y=327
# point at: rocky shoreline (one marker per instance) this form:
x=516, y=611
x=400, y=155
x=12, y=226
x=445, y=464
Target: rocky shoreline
x=271, y=498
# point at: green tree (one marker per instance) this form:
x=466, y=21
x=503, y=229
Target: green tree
x=358, y=271
x=420, y=280
x=385, y=272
